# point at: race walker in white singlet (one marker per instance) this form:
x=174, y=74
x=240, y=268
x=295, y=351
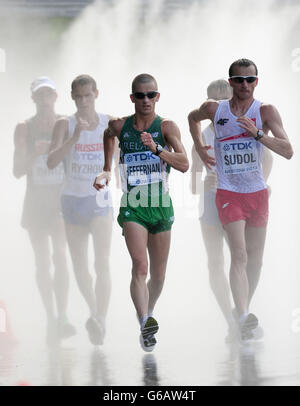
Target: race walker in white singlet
x=238, y=155
x=80, y=201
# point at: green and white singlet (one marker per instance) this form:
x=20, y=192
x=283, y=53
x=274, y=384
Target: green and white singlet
x=144, y=177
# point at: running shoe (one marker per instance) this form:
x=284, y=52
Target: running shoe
x=258, y=333
x=148, y=344
x=147, y=339
x=95, y=331
x=248, y=326
x=66, y=329
x=232, y=335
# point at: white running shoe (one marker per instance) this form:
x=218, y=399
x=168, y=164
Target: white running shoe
x=247, y=327
x=147, y=339
x=258, y=333
x=95, y=331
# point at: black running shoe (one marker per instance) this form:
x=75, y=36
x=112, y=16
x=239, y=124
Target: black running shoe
x=248, y=326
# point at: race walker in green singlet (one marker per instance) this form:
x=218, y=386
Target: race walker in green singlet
x=149, y=147
x=144, y=176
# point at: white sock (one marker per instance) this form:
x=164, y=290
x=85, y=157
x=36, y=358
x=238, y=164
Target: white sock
x=243, y=317
x=143, y=320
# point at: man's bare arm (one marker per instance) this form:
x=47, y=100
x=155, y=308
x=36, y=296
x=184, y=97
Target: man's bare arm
x=267, y=163
x=170, y=131
x=116, y=158
x=206, y=112
x=22, y=159
x=113, y=130
x=177, y=159
x=61, y=143
x=196, y=171
x=58, y=147
x=271, y=119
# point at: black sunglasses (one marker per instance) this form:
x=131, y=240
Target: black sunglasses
x=140, y=95
x=240, y=79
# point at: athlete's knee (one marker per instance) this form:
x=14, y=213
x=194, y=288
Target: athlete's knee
x=81, y=272
x=139, y=267
x=101, y=265
x=59, y=259
x=239, y=257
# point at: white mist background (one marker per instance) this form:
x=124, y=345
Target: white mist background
x=185, y=51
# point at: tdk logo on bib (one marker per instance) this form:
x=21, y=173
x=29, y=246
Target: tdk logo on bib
x=140, y=156
x=239, y=146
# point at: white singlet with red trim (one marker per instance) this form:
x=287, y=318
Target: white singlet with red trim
x=85, y=159
x=238, y=155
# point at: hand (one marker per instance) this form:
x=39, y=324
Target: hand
x=82, y=125
x=42, y=147
x=102, y=180
x=147, y=140
x=247, y=124
x=207, y=159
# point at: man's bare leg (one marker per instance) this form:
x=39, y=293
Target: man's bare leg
x=238, y=274
x=255, y=243
x=136, y=237
x=213, y=237
x=101, y=229
x=41, y=247
x=77, y=237
x=61, y=278
x=158, y=247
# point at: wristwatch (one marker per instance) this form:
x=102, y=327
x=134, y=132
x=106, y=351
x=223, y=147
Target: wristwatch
x=159, y=149
x=260, y=134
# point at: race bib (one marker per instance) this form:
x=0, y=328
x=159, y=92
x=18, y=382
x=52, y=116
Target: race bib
x=142, y=168
x=239, y=157
x=42, y=175
x=87, y=161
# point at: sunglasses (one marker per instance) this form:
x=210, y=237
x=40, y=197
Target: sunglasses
x=240, y=79
x=140, y=95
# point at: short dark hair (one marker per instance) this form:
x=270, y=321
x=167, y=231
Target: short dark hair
x=83, y=80
x=242, y=62
x=142, y=78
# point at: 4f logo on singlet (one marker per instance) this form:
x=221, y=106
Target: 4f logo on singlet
x=223, y=121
